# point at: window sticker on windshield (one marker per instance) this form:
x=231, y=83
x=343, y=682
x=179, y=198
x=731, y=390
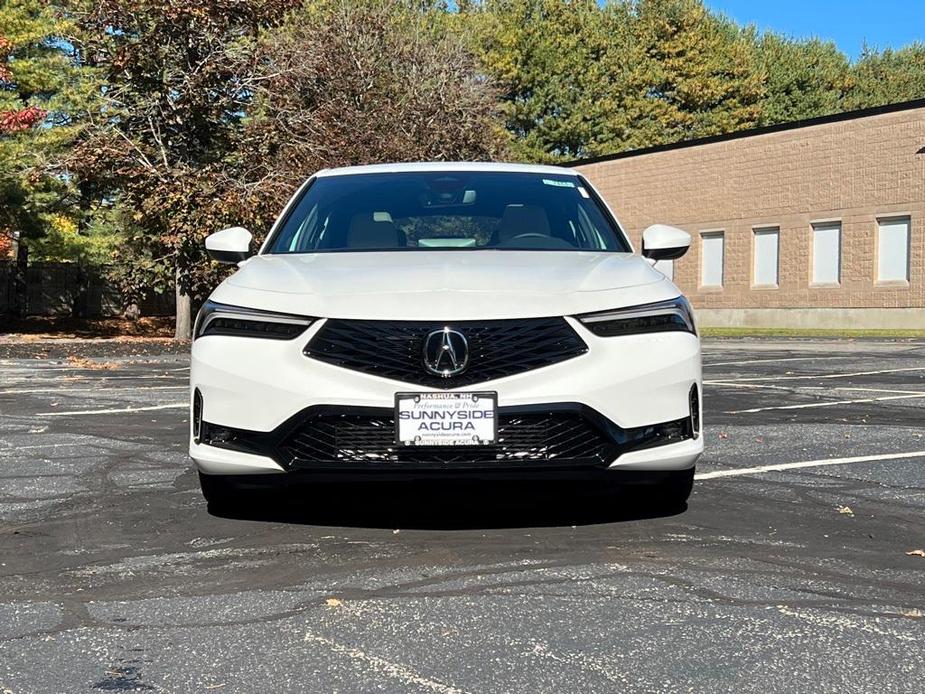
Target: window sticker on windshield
x=558, y=184
x=584, y=193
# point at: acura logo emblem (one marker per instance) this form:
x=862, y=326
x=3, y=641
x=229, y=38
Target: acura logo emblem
x=446, y=352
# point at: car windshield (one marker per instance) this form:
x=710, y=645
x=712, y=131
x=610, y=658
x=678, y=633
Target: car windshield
x=465, y=210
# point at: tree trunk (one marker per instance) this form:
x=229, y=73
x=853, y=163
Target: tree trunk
x=184, y=327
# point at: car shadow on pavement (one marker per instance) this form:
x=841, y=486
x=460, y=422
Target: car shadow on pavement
x=447, y=505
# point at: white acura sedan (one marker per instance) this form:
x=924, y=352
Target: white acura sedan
x=424, y=320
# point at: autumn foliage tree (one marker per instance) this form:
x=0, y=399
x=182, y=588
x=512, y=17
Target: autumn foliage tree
x=47, y=96
x=887, y=76
x=580, y=79
x=20, y=95
x=219, y=108
x=178, y=89
x=559, y=70
x=803, y=78
x=341, y=84
x=15, y=117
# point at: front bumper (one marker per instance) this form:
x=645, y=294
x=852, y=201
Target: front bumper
x=255, y=393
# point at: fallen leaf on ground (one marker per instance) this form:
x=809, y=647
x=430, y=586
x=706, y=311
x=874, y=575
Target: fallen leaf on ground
x=84, y=363
x=723, y=435
x=845, y=510
x=333, y=602
x=917, y=553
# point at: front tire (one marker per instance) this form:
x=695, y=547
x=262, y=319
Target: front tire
x=241, y=492
x=674, y=491
x=219, y=490
x=661, y=491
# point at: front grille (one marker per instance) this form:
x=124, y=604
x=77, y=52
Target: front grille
x=547, y=439
x=350, y=438
x=394, y=349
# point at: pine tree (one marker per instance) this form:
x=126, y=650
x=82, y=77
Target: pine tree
x=46, y=96
x=696, y=74
x=554, y=61
x=888, y=76
x=581, y=79
x=804, y=78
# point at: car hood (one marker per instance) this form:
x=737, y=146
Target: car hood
x=444, y=285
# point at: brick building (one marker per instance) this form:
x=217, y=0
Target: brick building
x=818, y=223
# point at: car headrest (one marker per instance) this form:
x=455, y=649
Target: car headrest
x=373, y=230
x=523, y=219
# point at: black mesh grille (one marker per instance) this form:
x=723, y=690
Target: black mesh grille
x=351, y=438
x=395, y=349
x=551, y=438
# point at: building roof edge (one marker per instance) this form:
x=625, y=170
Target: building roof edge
x=753, y=132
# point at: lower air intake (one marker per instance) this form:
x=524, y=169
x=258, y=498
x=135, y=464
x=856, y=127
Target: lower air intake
x=328, y=437
x=527, y=439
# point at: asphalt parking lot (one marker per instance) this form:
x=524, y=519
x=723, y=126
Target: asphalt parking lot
x=794, y=567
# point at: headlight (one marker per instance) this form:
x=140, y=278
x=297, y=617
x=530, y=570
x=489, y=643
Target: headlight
x=222, y=319
x=663, y=316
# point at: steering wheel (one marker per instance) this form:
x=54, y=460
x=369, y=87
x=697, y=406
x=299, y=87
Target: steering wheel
x=529, y=235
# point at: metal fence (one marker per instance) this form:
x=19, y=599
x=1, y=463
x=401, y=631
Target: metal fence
x=66, y=289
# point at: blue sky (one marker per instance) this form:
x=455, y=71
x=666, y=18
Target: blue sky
x=882, y=23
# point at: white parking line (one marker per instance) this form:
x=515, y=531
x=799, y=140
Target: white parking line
x=16, y=449
x=727, y=384
x=12, y=382
x=793, y=389
x=823, y=462
x=829, y=403
x=819, y=376
x=116, y=367
x=879, y=390
x=92, y=389
x=381, y=666
x=169, y=406
x=773, y=361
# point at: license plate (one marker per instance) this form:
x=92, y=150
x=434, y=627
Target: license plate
x=446, y=419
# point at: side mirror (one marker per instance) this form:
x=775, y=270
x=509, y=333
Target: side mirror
x=229, y=245
x=663, y=242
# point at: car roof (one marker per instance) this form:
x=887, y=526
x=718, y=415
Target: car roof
x=438, y=166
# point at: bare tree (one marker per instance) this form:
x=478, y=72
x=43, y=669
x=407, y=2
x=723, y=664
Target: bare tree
x=367, y=81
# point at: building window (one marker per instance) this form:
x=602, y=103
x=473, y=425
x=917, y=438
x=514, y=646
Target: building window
x=767, y=253
x=666, y=267
x=711, y=270
x=893, y=249
x=827, y=253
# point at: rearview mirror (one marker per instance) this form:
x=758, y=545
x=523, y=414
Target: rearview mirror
x=229, y=245
x=663, y=242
